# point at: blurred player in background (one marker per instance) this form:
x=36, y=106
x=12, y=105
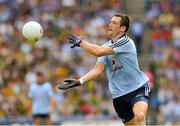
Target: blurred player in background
x=127, y=84
x=41, y=94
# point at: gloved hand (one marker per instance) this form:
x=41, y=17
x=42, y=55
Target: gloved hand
x=74, y=40
x=69, y=84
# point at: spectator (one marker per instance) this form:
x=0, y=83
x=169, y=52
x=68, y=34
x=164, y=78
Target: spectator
x=137, y=29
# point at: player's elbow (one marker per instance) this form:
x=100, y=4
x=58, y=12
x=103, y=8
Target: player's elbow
x=102, y=51
x=98, y=53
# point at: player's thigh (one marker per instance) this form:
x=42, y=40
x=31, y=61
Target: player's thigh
x=131, y=122
x=37, y=121
x=123, y=109
x=140, y=108
x=47, y=121
x=140, y=101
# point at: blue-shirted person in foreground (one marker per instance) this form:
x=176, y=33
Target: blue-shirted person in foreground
x=118, y=56
x=41, y=94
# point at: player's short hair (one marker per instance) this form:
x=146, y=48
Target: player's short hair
x=125, y=20
x=39, y=73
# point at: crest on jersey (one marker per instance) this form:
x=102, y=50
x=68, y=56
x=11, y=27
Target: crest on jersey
x=113, y=61
x=115, y=66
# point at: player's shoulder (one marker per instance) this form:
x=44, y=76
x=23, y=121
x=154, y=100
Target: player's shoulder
x=33, y=84
x=107, y=43
x=125, y=42
x=47, y=84
x=121, y=41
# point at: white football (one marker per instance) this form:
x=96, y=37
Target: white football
x=32, y=31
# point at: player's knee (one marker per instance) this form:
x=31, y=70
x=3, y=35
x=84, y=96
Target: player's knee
x=139, y=116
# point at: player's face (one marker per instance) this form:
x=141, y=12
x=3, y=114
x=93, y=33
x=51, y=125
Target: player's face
x=40, y=79
x=114, y=27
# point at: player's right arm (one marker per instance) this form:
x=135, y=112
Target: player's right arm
x=92, y=74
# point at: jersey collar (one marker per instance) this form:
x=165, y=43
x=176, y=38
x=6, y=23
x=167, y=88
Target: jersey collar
x=119, y=39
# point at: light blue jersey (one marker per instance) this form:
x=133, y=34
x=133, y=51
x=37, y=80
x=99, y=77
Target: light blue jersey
x=40, y=95
x=122, y=68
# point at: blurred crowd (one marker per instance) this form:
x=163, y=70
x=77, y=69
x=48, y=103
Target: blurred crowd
x=20, y=60
x=163, y=32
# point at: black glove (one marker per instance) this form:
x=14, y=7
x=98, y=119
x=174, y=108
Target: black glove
x=69, y=84
x=74, y=40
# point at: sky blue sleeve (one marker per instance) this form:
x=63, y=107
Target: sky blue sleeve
x=126, y=48
x=50, y=90
x=30, y=92
x=102, y=59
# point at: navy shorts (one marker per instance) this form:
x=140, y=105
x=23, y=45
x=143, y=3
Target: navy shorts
x=124, y=104
x=42, y=116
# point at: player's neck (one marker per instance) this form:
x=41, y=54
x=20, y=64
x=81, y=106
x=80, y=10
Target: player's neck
x=115, y=38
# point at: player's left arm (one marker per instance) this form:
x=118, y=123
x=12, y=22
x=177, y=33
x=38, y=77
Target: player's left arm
x=50, y=94
x=92, y=74
x=51, y=104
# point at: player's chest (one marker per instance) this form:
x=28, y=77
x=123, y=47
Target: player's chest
x=114, y=63
x=113, y=60
x=40, y=90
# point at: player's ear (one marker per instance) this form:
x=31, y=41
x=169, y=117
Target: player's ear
x=123, y=28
